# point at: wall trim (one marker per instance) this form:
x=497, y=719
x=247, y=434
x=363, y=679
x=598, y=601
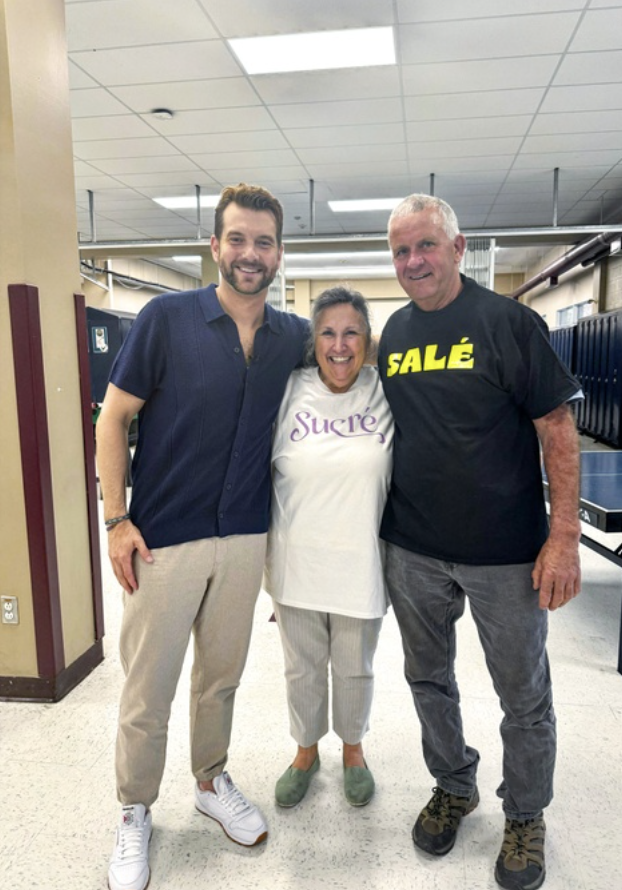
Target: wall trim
x=53, y=689
x=37, y=477
x=89, y=463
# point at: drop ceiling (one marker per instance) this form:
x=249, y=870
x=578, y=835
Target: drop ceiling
x=488, y=96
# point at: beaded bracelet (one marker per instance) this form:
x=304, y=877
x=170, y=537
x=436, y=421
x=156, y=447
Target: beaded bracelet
x=110, y=523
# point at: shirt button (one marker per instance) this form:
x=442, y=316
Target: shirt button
x=236, y=348
x=228, y=486
x=221, y=515
x=236, y=453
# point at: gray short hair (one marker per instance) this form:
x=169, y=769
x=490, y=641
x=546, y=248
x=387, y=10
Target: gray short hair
x=445, y=216
x=336, y=296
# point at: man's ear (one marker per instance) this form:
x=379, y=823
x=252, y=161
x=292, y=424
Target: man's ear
x=215, y=245
x=459, y=247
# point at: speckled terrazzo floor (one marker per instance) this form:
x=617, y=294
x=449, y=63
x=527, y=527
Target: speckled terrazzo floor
x=58, y=809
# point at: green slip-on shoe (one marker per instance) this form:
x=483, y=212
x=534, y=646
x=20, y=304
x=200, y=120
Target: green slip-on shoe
x=294, y=784
x=358, y=785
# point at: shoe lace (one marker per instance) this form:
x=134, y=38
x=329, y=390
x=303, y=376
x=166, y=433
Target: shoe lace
x=130, y=843
x=523, y=842
x=234, y=801
x=442, y=809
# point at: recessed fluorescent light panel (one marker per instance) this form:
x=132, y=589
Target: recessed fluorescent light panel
x=185, y=202
x=352, y=48
x=358, y=206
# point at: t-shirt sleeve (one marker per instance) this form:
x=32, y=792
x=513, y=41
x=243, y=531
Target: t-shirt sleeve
x=547, y=382
x=139, y=366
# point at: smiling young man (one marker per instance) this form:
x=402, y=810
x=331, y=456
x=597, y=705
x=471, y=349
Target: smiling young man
x=475, y=390
x=205, y=370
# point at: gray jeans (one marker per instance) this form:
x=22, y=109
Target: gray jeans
x=428, y=596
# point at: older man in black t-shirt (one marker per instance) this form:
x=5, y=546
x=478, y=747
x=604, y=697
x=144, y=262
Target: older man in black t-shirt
x=476, y=389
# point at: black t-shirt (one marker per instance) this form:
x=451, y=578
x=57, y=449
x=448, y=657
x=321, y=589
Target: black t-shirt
x=464, y=384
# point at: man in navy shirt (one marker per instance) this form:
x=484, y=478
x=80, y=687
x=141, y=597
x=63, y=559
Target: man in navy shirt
x=205, y=371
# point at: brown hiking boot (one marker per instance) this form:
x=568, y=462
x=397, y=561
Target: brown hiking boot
x=437, y=826
x=520, y=864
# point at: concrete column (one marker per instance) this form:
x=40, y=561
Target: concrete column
x=49, y=557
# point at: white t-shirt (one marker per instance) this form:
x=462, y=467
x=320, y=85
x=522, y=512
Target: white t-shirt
x=331, y=468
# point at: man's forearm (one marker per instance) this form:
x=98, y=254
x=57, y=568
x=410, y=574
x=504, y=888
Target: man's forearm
x=112, y=460
x=560, y=451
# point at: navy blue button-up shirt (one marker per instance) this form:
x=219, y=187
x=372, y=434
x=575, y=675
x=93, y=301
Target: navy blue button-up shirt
x=202, y=463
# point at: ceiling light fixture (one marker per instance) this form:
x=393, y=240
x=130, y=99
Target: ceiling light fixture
x=162, y=114
x=316, y=51
x=364, y=205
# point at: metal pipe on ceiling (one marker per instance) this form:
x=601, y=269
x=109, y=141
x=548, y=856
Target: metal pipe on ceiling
x=582, y=253
x=92, y=215
x=312, y=206
x=555, y=194
x=197, y=190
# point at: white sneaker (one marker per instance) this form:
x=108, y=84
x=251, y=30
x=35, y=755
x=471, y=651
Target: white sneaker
x=129, y=863
x=240, y=819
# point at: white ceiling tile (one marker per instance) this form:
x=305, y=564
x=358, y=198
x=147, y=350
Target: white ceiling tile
x=96, y=25
x=317, y=137
x=164, y=164
x=467, y=105
x=583, y=98
x=600, y=30
x=472, y=128
x=432, y=10
x=498, y=38
x=168, y=182
x=251, y=140
x=365, y=171
x=190, y=95
x=353, y=154
x=94, y=102
x=94, y=181
x=158, y=64
x=248, y=172
x=239, y=18
x=586, y=68
x=567, y=161
x=78, y=79
x=463, y=165
x=574, y=142
x=123, y=148
x=321, y=86
x=467, y=148
x=121, y=126
x=593, y=122
x=471, y=76
x=215, y=120
x=374, y=111
x=231, y=159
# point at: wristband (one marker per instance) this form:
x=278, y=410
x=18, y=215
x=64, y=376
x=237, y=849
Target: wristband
x=110, y=523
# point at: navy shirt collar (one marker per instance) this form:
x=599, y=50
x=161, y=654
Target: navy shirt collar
x=212, y=310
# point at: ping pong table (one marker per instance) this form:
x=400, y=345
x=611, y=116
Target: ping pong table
x=600, y=506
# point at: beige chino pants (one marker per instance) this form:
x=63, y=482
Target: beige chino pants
x=208, y=588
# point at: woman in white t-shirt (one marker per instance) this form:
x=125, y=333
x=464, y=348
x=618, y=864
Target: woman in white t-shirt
x=331, y=463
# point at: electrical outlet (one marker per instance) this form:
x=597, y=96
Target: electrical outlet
x=9, y=610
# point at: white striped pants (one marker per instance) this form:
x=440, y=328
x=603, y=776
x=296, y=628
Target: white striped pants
x=310, y=641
